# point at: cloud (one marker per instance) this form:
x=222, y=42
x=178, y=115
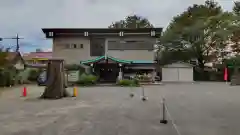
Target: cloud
x=47, y=49
x=27, y=17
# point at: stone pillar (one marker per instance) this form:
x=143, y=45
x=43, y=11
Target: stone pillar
x=120, y=74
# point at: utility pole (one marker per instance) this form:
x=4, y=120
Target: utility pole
x=17, y=39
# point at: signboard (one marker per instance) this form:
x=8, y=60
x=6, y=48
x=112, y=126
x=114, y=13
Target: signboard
x=73, y=76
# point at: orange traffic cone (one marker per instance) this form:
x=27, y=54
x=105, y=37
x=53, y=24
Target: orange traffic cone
x=24, y=92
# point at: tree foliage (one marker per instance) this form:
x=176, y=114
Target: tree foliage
x=234, y=61
x=190, y=32
x=7, y=73
x=235, y=28
x=3, y=56
x=236, y=8
x=219, y=32
x=132, y=21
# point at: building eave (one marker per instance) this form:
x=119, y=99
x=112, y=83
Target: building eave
x=102, y=31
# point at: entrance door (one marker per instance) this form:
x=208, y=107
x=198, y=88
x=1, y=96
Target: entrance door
x=107, y=75
x=107, y=72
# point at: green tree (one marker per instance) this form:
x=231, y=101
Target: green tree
x=236, y=8
x=6, y=73
x=219, y=31
x=188, y=32
x=3, y=56
x=234, y=61
x=132, y=21
x=235, y=37
x=235, y=27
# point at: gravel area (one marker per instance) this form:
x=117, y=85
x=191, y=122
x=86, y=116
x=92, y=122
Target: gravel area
x=195, y=109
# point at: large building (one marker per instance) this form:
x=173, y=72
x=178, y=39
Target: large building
x=111, y=53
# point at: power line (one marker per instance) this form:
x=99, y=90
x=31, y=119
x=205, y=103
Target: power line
x=17, y=40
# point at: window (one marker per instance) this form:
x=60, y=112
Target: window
x=74, y=46
x=78, y=46
x=81, y=46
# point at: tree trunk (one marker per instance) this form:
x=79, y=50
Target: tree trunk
x=55, y=85
x=201, y=64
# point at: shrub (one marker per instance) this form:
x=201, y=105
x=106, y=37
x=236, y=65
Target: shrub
x=7, y=77
x=87, y=80
x=136, y=81
x=127, y=82
x=74, y=67
x=144, y=78
x=33, y=75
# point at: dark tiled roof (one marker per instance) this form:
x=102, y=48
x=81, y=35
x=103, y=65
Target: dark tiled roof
x=47, y=55
x=14, y=57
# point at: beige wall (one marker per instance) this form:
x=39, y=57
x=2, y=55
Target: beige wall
x=71, y=56
x=74, y=56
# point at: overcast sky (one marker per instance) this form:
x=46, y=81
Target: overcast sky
x=27, y=17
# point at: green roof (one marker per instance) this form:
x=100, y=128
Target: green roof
x=105, y=57
x=93, y=60
x=143, y=62
x=119, y=60
x=116, y=60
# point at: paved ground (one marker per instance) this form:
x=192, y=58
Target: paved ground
x=197, y=109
